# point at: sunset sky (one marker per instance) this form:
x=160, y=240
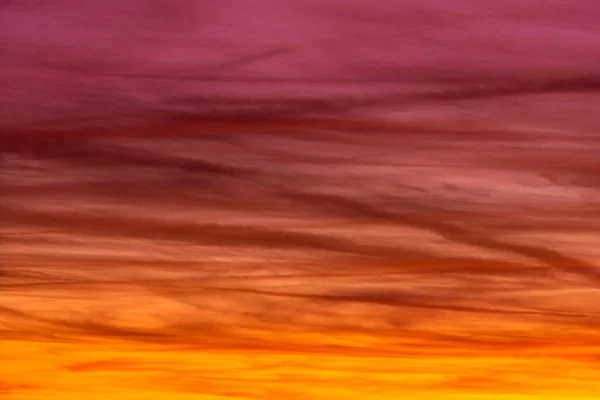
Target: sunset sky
x=277, y=199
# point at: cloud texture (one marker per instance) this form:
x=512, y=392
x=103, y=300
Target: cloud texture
x=264, y=200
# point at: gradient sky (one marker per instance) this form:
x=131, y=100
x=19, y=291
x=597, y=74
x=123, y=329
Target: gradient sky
x=411, y=211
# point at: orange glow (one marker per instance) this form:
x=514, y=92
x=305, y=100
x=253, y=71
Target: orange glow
x=56, y=371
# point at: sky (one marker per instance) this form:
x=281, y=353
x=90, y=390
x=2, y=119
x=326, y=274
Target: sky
x=299, y=200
